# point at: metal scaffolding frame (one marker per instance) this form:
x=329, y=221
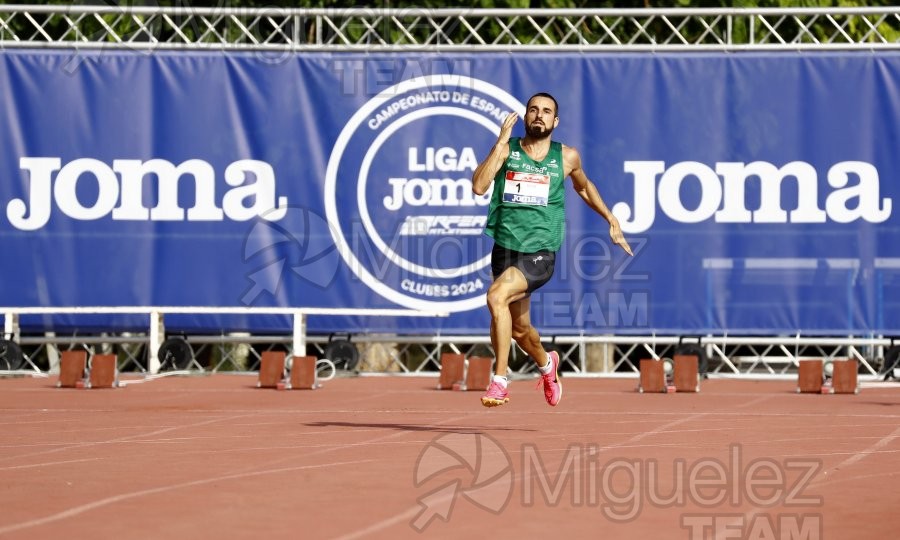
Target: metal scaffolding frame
x=459, y=30
x=369, y=29
x=581, y=355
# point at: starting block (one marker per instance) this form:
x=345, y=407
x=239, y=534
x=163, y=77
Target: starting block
x=303, y=373
x=452, y=371
x=844, y=377
x=104, y=371
x=810, y=377
x=72, y=365
x=686, y=373
x=271, y=369
x=478, y=373
x=653, y=376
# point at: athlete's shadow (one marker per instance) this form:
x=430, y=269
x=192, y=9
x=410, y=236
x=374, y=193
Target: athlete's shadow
x=437, y=428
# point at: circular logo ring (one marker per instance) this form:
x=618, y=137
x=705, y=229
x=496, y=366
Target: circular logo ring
x=331, y=176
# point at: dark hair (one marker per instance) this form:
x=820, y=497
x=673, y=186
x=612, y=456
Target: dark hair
x=546, y=95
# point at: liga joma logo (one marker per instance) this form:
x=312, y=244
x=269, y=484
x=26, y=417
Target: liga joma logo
x=398, y=190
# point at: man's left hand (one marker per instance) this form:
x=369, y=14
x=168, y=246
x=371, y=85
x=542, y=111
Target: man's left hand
x=615, y=232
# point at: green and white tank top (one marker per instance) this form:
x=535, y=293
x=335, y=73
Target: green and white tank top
x=527, y=211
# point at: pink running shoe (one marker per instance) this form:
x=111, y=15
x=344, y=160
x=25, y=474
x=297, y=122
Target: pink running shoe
x=552, y=384
x=495, y=396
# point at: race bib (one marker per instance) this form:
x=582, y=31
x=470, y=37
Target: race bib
x=526, y=188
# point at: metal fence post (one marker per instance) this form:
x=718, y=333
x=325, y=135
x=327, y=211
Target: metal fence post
x=299, y=344
x=157, y=335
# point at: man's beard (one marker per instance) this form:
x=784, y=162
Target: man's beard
x=538, y=131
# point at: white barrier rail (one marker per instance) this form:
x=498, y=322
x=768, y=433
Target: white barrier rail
x=157, y=325
x=774, y=355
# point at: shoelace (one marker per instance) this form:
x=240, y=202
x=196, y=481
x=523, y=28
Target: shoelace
x=495, y=388
x=547, y=390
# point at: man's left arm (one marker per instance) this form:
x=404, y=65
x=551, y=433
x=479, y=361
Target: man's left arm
x=589, y=193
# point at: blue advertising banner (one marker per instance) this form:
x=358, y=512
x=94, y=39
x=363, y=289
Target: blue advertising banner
x=755, y=189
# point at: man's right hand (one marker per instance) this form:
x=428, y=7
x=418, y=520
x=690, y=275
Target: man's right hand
x=487, y=169
x=506, y=128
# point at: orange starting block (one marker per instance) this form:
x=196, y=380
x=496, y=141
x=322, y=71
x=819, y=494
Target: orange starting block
x=303, y=373
x=686, y=373
x=104, y=371
x=271, y=369
x=478, y=373
x=653, y=376
x=810, y=377
x=72, y=366
x=453, y=368
x=844, y=378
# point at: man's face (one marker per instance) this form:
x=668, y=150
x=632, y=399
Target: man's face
x=540, y=117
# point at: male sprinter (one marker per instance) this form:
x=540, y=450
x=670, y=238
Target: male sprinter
x=526, y=219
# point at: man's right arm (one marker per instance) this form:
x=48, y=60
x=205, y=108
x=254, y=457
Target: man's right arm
x=486, y=171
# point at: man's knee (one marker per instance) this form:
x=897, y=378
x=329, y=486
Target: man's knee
x=497, y=297
x=495, y=301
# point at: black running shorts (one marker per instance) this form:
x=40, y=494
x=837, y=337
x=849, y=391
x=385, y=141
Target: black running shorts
x=537, y=267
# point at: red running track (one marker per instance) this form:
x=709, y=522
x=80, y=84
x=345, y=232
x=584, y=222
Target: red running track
x=380, y=457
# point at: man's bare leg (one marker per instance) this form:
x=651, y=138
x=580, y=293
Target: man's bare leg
x=528, y=338
x=509, y=287
x=524, y=333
